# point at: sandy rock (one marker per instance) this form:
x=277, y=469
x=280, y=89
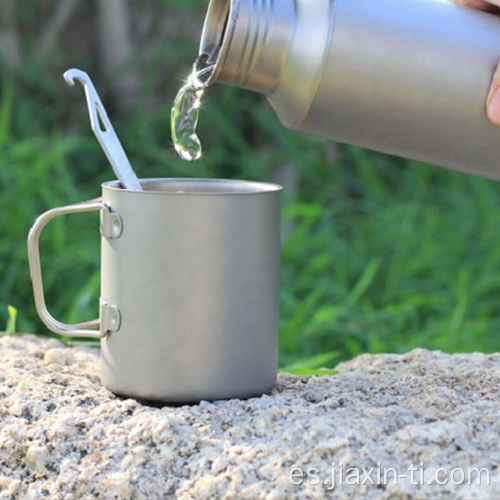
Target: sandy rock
x=384, y=427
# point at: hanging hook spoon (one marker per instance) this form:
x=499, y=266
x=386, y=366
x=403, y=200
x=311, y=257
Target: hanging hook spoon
x=104, y=132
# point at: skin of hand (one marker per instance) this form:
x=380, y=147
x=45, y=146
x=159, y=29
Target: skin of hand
x=493, y=99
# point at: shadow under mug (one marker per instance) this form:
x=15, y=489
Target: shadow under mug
x=189, y=306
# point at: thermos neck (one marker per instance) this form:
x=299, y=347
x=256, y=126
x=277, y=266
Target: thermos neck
x=248, y=40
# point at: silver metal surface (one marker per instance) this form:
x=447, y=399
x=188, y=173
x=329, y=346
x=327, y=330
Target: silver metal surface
x=195, y=275
x=111, y=223
x=87, y=329
x=406, y=78
x=110, y=317
x=194, y=278
x=104, y=131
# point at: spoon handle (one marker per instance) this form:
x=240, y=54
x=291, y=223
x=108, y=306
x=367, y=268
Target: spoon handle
x=104, y=131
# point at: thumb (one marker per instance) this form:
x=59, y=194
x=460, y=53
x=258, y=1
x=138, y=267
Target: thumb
x=493, y=100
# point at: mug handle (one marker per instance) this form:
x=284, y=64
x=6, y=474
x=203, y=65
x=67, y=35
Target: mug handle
x=110, y=317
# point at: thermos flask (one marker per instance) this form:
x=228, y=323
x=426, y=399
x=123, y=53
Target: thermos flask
x=405, y=77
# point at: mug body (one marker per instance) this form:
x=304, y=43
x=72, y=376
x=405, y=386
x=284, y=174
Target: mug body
x=194, y=274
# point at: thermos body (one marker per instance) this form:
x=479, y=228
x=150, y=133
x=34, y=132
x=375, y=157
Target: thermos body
x=405, y=77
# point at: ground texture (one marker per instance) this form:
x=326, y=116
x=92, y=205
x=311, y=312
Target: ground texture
x=383, y=419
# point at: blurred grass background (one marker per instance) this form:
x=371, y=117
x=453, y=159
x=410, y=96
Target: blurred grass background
x=380, y=254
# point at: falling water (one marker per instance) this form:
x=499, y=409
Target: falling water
x=185, y=111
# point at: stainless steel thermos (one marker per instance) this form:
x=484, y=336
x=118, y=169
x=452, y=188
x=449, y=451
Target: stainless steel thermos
x=405, y=77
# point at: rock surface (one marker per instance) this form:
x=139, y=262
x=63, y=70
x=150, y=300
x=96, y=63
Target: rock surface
x=62, y=435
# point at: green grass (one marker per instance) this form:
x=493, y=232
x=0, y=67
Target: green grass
x=10, y=327
x=410, y=258
x=385, y=254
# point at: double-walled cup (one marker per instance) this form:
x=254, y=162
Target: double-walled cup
x=189, y=304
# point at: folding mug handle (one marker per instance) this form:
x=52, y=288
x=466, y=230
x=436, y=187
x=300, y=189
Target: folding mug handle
x=110, y=316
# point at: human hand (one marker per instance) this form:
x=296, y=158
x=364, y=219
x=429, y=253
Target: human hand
x=493, y=99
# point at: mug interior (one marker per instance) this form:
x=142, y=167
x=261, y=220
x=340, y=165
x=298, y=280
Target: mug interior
x=199, y=186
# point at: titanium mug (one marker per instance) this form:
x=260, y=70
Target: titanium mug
x=189, y=305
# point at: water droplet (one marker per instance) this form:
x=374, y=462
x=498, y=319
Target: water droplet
x=185, y=111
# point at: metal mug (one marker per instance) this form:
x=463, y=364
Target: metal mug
x=189, y=305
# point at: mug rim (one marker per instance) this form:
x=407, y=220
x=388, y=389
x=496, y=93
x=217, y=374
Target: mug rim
x=240, y=186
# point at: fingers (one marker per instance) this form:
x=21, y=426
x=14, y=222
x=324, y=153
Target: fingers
x=494, y=2
x=493, y=100
x=487, y=5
